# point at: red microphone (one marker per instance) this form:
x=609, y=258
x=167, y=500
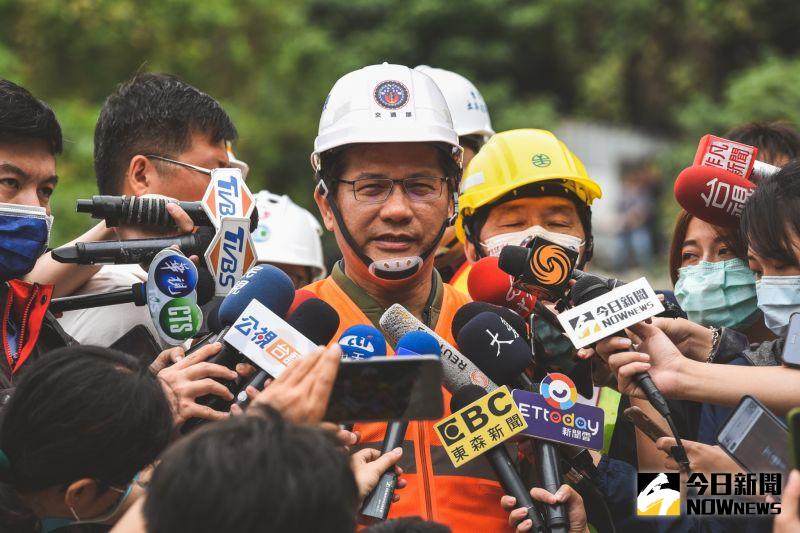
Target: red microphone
x=300, y=296
x=735, y=157
x=487, y=283
x=713, y=195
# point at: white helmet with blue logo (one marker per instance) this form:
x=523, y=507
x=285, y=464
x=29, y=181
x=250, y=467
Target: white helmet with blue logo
x=287, y=234
x=384, y=103
x=467, y=108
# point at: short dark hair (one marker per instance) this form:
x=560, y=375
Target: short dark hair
x=289, y=478
x=770, y=212
x=412, y=524
x=80, y=412
x=152, y=113
x=23, y=117
x=773, y=139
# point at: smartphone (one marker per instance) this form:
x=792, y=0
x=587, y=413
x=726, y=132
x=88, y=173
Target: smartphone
x=646, y=425
x=755, y=438
x=138, y=342
x=794, y=436
x=387, y=388
x=791, y=348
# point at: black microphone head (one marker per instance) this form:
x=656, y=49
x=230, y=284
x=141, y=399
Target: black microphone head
x=467, y=312
x=513, y=259
x=495, y=347
x=212, y=317
x=205, y=286
x=588, y=287
x=465, y=396
x=315, y=319
x=254, y=220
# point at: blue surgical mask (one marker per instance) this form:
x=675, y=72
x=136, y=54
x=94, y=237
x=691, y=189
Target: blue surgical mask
x=24, y=234
x=778, y=298
x=56, y=522
x=721, y=294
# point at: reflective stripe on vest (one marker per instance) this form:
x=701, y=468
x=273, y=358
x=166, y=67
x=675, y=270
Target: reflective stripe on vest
x=609, y=403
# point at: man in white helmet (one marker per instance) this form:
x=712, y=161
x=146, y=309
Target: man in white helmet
x=474, y=127
x=288, y=237
x=387, y=163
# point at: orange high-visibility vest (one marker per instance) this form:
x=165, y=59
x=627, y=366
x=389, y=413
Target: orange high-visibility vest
x=466, y=498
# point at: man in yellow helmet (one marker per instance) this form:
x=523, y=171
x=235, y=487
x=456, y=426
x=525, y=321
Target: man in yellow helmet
x=524, y=183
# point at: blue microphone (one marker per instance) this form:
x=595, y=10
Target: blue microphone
x=268, y=285
x=377, y=502
x=362, y=342
x=418, y=343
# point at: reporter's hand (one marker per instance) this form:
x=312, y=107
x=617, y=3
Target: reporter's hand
x=302, y=392
x=565, y=494
x=191, y=378
x=168, y=357
x=657, y=355
x=693, y=340
x=702, y=457
x=368, y=466
x=788, y=521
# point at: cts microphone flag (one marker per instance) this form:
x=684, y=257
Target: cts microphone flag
x=713, y=195
x=362, y=342
x=171, y=296
x=458, y=370
x=495, y=347
x=487, y=283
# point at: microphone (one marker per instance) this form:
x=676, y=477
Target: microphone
x=470, y=310
x=271, y=287
x=713, y=195
x=135, y=295
x=590, y=287
x=149, y=211
x=457, y=369
x=362, y=342
x=488, y=283
x=500, y=461
x=300, y=296
x=378, y=502
x=739, y=158
x=315, y=319
x=542, y=268
x=495, y=347
x=131, y=251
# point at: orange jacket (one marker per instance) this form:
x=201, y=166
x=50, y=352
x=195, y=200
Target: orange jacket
x=468, y=498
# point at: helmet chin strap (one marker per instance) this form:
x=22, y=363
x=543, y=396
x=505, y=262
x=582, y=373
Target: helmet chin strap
x=388, y=269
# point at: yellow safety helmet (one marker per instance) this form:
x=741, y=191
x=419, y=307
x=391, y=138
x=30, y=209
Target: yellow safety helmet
x=515, y=158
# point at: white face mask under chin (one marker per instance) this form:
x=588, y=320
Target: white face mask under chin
x=494, y=245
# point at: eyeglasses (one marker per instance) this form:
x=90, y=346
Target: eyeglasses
x=179, y=163
x=378, y=190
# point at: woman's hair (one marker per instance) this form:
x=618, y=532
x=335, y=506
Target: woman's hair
x=253, y=473
x=730, y=236
x=81, y=412
x=772, y=213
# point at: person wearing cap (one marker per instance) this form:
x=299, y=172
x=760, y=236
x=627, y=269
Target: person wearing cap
x=387, y=163
x=288, y=237
x=473, y=125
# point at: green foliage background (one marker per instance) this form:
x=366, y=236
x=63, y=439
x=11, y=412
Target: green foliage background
x=679, y=69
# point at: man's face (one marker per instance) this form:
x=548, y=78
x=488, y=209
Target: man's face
x=553, y=213
x=184, y=183
x=397, y=227
x=27, y=174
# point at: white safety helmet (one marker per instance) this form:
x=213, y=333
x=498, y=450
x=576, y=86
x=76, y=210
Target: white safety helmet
x=384, y=103
x=237, y=163
x=469, y=112
x=287, y=234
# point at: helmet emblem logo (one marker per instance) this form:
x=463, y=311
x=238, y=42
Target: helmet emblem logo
x=541, y=160
x=391, y=94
